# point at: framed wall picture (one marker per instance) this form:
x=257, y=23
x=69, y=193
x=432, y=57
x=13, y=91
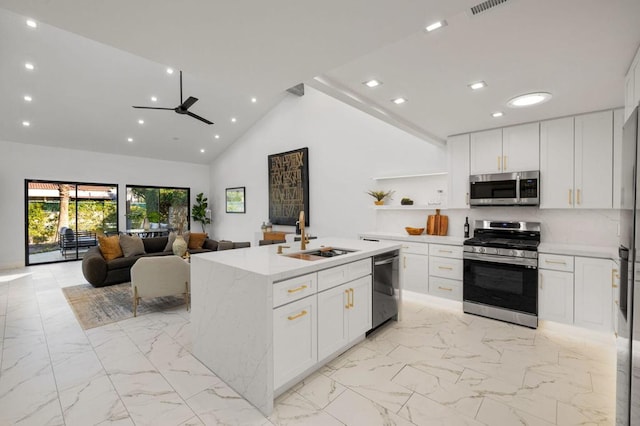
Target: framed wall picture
x=289, y=186
x=235, y=201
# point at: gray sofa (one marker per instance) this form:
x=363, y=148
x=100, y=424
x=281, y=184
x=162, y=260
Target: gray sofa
x=99, y=272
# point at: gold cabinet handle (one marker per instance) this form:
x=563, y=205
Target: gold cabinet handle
x=347, y=293
x=404, y=262
x=351, y=304
x=541, y=279
x=578, y=195
x=498, y=162
x=446, y=268
x=444, y=251
x=614, y=274
x=556, y=262
x=293, y=290
x=570, y=197
x=293, y=317
x=504, y=163
x=445, y=288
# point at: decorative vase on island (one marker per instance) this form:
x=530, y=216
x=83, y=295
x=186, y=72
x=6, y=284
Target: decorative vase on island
x=179, y=246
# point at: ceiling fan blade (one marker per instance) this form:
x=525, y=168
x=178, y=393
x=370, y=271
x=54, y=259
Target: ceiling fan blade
x=144, y=107
x=204, y=120
x=190, y=101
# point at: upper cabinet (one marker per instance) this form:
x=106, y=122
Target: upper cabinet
x=576, y=162
x=511, y=149
x=458, y=155
x=632, y=86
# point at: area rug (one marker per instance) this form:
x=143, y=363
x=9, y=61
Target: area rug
x=96, y=306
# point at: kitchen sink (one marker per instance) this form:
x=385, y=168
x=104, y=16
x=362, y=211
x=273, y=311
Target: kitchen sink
x=322, y=253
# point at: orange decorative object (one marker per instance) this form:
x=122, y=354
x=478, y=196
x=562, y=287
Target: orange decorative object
x=414, y=231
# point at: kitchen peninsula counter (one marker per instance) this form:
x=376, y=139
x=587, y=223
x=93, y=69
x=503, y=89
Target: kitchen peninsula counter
x=232, y=308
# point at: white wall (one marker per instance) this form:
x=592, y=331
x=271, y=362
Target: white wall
x=19, y=162
x=346, y=149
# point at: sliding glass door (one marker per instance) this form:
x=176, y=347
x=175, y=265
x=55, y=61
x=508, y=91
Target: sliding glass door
x=64, y=219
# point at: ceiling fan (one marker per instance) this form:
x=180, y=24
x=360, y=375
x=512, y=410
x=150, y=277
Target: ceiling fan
x=183, y=108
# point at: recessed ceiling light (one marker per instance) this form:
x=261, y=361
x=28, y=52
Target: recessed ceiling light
x=529, y=99
x=217, y=136
x=154, y=99
x=254, y=100
x=26, y=124
x=372, y=83
x=497, y=114
x=29, y=66
x=27, y=98
x=31, y=23
x=169, y=70
x=435, y=26
x=477, y=85
x=202, y=150
x=140, y=121
x=399, y=101
x=233, y=119
x=129, y=139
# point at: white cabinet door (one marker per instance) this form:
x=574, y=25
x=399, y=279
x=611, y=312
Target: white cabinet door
x=359, y=307
x=556, y=163
x=555, y=296
x=295, y=339
x=521, y=148
x=593, y=293
x=594, y=160
x=486, y=152
x=458, y=153
x=416, y=272
x=333, y=331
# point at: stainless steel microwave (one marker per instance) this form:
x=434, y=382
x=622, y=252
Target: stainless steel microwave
x=505, y=189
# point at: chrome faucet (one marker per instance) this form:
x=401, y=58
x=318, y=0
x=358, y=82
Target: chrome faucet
x=303, y=236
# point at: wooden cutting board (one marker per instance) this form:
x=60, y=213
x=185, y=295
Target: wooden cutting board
x=437, y=224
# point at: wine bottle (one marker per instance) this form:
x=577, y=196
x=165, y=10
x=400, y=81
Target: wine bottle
x=466, y=227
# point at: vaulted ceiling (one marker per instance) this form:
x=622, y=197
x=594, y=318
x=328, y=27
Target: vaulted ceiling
x=93, y=60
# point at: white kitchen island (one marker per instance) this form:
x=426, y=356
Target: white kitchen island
x=262, y=321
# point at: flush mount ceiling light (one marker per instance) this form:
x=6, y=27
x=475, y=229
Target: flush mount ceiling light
x=169, y=70
x=398, y=101
x=217, y=136
x=233, y=119
x=28, y=98
x=372, y=83
x=154, y=99
x=497, y=114
x=435, y=26
x=26, y=124
x=31, y=23
x=477, y=85
x=129, y=139
x=202, y=150
x=529, y=99
x=254, y=100
x=29, y=66
x=140, y=121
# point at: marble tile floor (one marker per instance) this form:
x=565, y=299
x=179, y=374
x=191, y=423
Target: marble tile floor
x=436, y=367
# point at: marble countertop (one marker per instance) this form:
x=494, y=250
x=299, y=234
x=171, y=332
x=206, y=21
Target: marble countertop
x=603, y=252
x=435, y=239
x=264, y=260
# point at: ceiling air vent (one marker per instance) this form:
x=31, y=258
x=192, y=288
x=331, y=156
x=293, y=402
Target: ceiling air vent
x=486, y=5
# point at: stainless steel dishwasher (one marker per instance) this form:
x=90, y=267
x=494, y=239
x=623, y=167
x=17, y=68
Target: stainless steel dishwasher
x=386, y=285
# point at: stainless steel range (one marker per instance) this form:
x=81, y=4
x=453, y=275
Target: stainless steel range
x=501, y=271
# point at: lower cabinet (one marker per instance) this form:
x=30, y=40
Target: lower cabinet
x=294, y=339
x=416, y=272
x=344, y=313
x=555, y=296
x=593, y=293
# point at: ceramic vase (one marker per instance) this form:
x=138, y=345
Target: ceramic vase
x=179, y=246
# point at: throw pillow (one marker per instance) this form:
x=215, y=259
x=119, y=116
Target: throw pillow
x=110, y=247
x=196, y=240
x=131, y=245
x=172, y=238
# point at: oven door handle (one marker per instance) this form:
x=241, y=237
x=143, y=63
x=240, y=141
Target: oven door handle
x=518, y=188
x=518, y=261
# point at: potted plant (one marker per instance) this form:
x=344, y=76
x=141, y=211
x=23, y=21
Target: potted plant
x=406, y=201
x=199, y=211
x=379, y=196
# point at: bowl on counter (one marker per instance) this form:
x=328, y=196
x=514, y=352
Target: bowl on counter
x=414, y=231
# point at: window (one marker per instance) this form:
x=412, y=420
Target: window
x=63, y=219
x=152, y=207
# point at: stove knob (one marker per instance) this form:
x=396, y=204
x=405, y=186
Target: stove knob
x=513, y=253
